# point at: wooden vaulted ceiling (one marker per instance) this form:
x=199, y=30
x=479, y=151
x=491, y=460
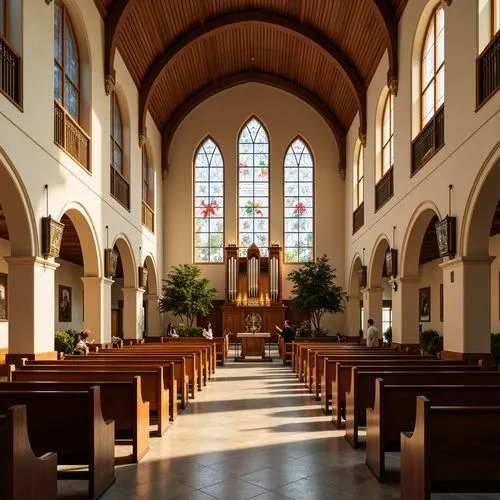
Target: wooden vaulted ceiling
x=180, y=52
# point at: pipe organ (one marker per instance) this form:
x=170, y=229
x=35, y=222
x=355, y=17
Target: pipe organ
x=253, y=300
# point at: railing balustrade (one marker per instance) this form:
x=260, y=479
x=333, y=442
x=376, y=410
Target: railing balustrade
x=488, y=70
x=119, y=187
x=384, y=189
x=148, y=217
x=358, y=217
x=10, y=71
x=429, y=141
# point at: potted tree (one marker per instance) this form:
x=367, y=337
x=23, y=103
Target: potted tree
x=315, y=293
x=431, y=343
x=186, y=294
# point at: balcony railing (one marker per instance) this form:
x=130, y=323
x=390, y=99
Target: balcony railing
x=488, y=70
x=429, y=141
x=384, y=189
x=120, y=188
x=148, y=217
x=10, y=71
x=358, y=217
x=70, y=136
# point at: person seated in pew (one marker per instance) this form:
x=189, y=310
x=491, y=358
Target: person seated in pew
x=82, y=347
x=372, y=338
x=287, y=332
x=207, y=331
x=171, y=331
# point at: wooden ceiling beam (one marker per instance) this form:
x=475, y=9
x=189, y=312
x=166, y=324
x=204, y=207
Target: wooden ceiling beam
x=260, y=77
x=114, y=22
x=154, y=73
x=389, y=24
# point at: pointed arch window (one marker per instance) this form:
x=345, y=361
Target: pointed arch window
x=66, y=63
x=432, y=67
x=253, y=187
x=299, y=203
x=148, y=191
x=209, y=204
x=387, y=135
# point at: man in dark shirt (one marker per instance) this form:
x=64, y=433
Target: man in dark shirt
x=287, y=332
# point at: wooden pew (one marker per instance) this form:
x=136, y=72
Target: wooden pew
x=120, y=401
x=90, y=362
x=220, y=345
x=71, y=424
x=23, y=475
x=362, y=393
x=394, y=412
x=153, y=389
x=330, y=377
x=452, y=449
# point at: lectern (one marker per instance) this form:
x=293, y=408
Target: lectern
x=253, y=301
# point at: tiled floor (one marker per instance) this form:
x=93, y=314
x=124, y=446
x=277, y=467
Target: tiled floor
x=254, y=432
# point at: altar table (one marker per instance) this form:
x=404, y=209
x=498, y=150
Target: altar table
x=254, y=344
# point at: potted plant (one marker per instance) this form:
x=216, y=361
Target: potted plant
x=388, y=336
x=186, y=294
x=431, y=343
x=315, y=293
x=495, y=348
x=117, y=342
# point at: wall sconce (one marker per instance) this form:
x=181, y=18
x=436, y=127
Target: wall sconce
x=52, y=232
x=446, y=232
x=395, y=286
x=143, y=273
x=110, y=259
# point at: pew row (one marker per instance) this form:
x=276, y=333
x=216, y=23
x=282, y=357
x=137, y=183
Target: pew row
x=91, y=362
x=18, y=462
x=152, y=386
x=438, y=456
x=394, y=412
x=72, y=425
x=362, y=393
x=120, y=401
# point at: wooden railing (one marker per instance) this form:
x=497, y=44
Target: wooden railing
x=119, y=187
x=71, y=137
x=358, y=217
x=488, y=70
x=148, y=217
x=384, y=189
x=429, y=141
x=10, y=71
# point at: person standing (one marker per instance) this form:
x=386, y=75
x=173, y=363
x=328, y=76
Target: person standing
x=287, y=332
x=372, y=339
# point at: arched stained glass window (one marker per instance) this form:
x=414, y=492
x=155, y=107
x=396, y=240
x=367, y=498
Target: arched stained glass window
x=388, y=135
x=66, y=63
x=253, y=182
x=433, y=66
x=209, y=204
x=299, y=203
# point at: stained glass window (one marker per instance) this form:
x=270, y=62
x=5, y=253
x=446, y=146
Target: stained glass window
x=388, y=135
x=209, y=203
x=253, y=199
x=299, y=203
x=66, y=63
x=433, y=66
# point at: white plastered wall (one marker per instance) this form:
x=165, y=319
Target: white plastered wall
x=284, y=117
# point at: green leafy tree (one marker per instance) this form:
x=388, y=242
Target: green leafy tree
x=314, y=291
x=186, y=293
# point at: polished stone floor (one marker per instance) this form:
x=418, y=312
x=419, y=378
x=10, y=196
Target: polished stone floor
x=254, y=432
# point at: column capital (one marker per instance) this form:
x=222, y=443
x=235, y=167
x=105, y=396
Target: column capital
x=468, y=260
x=132, y=289
x=151, y=296
x=373, y=289
x=97, y=280
x=31, y=261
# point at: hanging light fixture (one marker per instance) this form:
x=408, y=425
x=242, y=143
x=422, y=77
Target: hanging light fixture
x=362, y=273
x=446, y=232
x=52, y=231
x=143, y=273
x=110, y=259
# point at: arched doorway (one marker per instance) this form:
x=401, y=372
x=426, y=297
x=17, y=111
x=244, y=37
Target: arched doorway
x=354, y=299
x=152, y=326
x=416, y=304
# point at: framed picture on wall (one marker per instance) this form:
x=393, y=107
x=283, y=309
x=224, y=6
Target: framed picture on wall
x=424, y=302
x=64, y=304
x=3, y=296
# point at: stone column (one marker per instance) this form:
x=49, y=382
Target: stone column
x=467, y=308
x=405, y=319
x=132, y=307
x=372, y=305
x=97, y=308
x=154, y=327
x=31, y=308
x=353, y=310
